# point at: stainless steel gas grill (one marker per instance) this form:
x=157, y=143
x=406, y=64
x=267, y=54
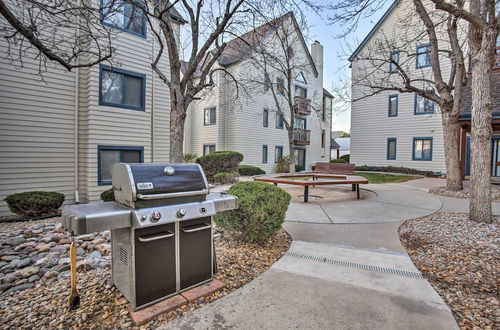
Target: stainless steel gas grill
x=161, y=228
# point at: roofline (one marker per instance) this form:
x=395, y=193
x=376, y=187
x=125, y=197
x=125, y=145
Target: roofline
x=467, y=116
x=374, y=29
x=327, y=93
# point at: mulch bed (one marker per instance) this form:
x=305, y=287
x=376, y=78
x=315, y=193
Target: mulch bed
x=461, y=259
x=102, y=306
x=465, y=193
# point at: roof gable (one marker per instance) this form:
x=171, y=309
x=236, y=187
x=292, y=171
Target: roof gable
x=374, y=29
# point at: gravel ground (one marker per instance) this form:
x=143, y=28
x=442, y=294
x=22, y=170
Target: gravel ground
x=465, y=193
x=34, y=279
x=461, y=259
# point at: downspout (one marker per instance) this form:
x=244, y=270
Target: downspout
x=76, y=124
x=152, y=109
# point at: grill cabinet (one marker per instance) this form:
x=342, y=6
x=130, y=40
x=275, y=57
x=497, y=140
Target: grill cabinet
x=161, y=228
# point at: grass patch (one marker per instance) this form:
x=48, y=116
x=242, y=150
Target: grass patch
x=385, y=178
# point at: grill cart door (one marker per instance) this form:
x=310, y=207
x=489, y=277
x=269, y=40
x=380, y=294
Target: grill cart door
x=154, y=263
x=195, y=251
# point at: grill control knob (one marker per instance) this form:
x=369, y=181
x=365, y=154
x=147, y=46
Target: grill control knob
x=144, y=217
x=203, y=210
x=156, y=216
x=181, y=213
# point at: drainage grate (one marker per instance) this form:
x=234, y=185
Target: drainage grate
x=344, y=263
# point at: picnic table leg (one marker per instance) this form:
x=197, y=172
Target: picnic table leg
x=357, y=190
x=353, y=187
x=306, y=194
x=275, y=184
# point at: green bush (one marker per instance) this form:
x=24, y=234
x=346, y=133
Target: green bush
x=226, y=177
x=220, y=161
x=35, y=203
x=108, y=195
x=338, y=161
x=283, y=165
x=347, y=158
x=250, y=170
x=189, y=158
x=299, y=168
x=398, y=169
x=261, y=211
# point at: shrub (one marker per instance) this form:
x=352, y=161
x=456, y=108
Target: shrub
x=347, y=158
x=398, y=169
x=250, y=170
x=35, y=203
x=220, y=161
x=226, y=177
x=108, y=195
x=261, y=211
x=283, y=165
x=189, y=158
x=338, y=161
x=299, y=168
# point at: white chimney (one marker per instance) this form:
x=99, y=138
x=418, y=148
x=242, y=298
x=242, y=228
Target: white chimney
x=317, y=56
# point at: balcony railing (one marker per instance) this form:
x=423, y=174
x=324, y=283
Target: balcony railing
x=301, y=136
x=496, y=65
x=302, y=106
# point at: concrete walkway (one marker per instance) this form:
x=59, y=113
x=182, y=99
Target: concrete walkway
x=346, y=269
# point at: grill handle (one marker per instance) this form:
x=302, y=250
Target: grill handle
x=170, y=195
x=192, y=230
x=155, y=238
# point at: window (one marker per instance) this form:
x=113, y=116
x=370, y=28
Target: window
x=108, y=156
x=300, y=91
x=280, y=86
x=279, y=120
x=301, y=78
x=264, y=154
x=300, y=123
x=323, y=135
x=265, y=118
x=122, y=89
x=208, y=149
x=394, y=61
x=391, y=148
x=267, y=82
x=210, y=117
x=278, y=153
x=423, y=56
x=422, y=148
x=423, y=105
x=393, y=105
x=124, y=15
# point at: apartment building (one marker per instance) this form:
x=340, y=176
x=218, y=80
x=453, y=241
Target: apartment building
x=63, y=131
x=249, y=122
x=404, y=129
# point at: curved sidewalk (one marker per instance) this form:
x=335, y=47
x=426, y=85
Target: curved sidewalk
x=349, y=272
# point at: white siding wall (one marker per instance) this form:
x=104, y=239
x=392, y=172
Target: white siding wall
x=370, y=124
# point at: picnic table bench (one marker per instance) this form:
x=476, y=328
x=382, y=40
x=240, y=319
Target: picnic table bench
x=335, y=168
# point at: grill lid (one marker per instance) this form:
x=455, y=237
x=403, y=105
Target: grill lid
x=135, y=182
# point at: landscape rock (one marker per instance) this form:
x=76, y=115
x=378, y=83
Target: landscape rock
x=28, y=271
x=104, y=248
x=42, y=247
x=94, y=255
x=59, y=228
x=9, y=278
x=14, y=241
x=86, y=237
x=19, y=263
x=33, y=278
x=10, y=257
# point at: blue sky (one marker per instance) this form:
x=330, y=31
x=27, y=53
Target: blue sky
x=336, y=66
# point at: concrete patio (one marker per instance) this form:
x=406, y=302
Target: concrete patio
x=346, y=269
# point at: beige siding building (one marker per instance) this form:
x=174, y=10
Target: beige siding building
x=249, y=122
x=391, y=128
x=64, y=133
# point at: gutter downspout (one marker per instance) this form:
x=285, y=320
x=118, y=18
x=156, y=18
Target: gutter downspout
x=76, y=132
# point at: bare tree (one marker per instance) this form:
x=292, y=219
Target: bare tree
x=483, y=22
x=67, y=32
x=280, y=61
x=388, y=64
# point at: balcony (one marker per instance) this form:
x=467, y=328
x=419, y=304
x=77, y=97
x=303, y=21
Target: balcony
x=302, y=106
x=301, y=137
x=496, y=65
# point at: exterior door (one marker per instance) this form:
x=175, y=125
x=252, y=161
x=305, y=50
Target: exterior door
x=300, y=157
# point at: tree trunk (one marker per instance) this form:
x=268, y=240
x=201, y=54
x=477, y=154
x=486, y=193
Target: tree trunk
x=177, y=120
x=482, y=109
x=451, y=137
x=292, y=153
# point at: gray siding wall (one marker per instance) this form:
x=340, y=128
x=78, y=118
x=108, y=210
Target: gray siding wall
x=37, y=122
